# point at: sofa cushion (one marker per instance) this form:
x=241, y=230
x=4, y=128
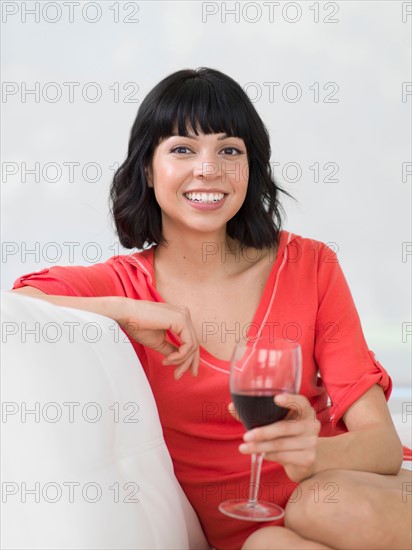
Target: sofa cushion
x=85, y=465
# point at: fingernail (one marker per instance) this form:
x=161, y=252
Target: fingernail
x=281, y=398
x=248, y=436
x=178, y=374
x=243, y=448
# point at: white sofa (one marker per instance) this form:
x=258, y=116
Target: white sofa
x=88, y=468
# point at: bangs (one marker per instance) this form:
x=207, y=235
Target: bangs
x=198, y=105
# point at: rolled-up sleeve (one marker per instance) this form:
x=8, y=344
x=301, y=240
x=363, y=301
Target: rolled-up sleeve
x=347, y=366
x=86, y=281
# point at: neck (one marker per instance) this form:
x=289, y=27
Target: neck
x=198, y=256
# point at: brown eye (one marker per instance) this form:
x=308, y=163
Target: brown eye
x=232, y=151
x=180, y=149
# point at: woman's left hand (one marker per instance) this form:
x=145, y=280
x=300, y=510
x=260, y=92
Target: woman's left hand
x=292, y=442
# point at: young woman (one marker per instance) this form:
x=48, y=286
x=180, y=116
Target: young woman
x=197, y=186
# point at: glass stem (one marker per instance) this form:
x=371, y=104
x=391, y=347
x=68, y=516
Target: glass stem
x=256, y=467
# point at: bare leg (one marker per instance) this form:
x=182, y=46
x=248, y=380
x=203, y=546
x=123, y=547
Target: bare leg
x=354, y=510
x=279, y=538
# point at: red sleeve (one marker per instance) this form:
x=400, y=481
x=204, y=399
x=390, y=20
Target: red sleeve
x=87, y=281
x=347, y=367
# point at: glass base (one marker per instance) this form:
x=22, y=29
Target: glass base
x=258, y=511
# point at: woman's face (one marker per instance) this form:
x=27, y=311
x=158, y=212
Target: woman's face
x=199, y=181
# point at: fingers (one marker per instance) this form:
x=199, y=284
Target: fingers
x=232, y=409
x=291, y=441
x=279, y=446
x=192, y=364
x=299, y=405
x=154, y=320
x=194, y=367
x=281, y=429
x=183, y=364
x=185, y=358
x=166, y=348
x=284, y=429
x=188, y=355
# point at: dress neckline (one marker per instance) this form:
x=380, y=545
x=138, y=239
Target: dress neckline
x=261, y=313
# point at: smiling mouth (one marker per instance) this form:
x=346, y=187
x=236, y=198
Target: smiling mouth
x=207, y=198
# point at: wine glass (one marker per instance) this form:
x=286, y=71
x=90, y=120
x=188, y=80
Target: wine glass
x=259, y=371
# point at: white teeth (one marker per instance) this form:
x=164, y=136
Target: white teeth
x=205, y=197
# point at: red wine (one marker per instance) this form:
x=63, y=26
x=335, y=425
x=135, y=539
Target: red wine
x=257, y=408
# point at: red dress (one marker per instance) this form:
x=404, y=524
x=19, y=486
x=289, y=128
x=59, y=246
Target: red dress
x=306, y=299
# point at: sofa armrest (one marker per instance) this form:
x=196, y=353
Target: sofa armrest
x=85, y=465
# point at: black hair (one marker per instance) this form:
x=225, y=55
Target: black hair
x=211, y=102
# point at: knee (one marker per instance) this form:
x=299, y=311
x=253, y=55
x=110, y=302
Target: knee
x=279, y=538
x=312, y=500
x=267, y=538
x=315, y=502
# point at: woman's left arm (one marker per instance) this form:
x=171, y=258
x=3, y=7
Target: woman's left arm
x=371, y=444
x=353, y=379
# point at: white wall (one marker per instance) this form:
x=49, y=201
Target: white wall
x=366, y=132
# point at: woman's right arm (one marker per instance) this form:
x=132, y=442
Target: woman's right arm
x=144, y=321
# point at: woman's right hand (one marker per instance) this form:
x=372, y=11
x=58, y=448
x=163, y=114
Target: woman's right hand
x=146, y=322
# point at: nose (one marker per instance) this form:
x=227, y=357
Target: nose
x=207, y=168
